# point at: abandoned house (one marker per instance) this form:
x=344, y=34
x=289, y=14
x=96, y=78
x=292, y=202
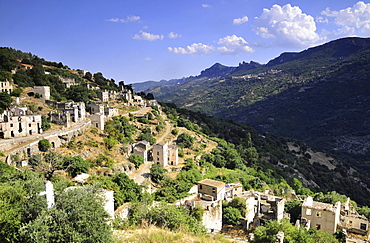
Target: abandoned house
x=76, y=111
x=323, y=216
x=211, y=190
x=261, y=207
x=43, y=91
x=5, y=86
x=212, y=205
x=142, y=148
x=15, y=122
x=68, y=82
x=165, y=155
x=351, y=220
x=96, y=107
x=97, y=120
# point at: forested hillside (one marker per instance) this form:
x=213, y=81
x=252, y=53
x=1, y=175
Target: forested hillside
x=320, y=96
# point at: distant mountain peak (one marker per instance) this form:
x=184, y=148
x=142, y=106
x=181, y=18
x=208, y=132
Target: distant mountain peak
x=216, y=70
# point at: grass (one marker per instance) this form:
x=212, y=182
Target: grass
x=157, y=235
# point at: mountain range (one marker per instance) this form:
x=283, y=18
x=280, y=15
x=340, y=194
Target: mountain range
x=320, y=96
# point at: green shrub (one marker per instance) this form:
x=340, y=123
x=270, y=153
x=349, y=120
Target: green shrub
x=44, y=145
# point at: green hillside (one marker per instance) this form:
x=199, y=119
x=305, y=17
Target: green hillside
x=320, y=96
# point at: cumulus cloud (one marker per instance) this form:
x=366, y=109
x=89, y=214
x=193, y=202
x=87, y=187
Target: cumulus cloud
x=240, y=20
x=173, y=35
x=147, y=36
x=233, y=45
x=130, y=18
x=194, y=49
x=204, y=5
x=287, y=25
x=353, y=20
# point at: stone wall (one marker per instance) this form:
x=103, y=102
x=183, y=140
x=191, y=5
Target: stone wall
x=31, y=144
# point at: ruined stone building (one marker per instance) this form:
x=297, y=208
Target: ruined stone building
x=209, y=196
x=5, y=86
x=165, y=155
x=68, y=82
x=323, y=216
x=173, y=155
x=43, y=91
x=16, y=122
x=111, y=111
x=160, y=154
x=76, y=111
x=142, y=148
x=22, y=66
x=352, y=221
x=96, y=107
x=211, y=190
x=261, y=207
x=97, y=120
x=139, y=100
x=152, y=103
x=127, y=95
x=103, y=95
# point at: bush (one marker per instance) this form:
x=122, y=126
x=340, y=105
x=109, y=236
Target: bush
x=45, y=125
x=137, y=160
x=175, y=132
x=44, y=145
x=231, y=216
x=77, y=165
x=184, y=140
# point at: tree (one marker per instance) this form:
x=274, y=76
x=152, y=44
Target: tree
x=45, y=125
x=110, y=142
x=76, y=165
x=44, y=145
x=136, y=159
x=16, y=92
x=52, y=162
x=268, y=232
x=128, y=191
x=22, y=78
x=231, y=216
x=88, y=76
x=239, y=203
x=293, y=207
x=11, y=200
x=157, y=173
x=184, y=140
x=5, y=101
x=78, y=216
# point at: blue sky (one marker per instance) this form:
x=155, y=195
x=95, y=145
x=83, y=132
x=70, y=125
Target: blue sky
x=140, y=40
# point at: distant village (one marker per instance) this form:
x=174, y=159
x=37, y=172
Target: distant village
x=19, y=122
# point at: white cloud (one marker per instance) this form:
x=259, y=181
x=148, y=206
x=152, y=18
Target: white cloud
x=322, y=20
x=148, y=59
x=147, y=36
x=173, y=35
x=130, y=18
x=240, y=20
x=228, y=45
x=206, y=5
x=287, y=25
x=194, y=49
x=354, y=20
x=233, y=45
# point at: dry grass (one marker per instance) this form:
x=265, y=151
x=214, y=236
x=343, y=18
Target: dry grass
x=157, y=235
